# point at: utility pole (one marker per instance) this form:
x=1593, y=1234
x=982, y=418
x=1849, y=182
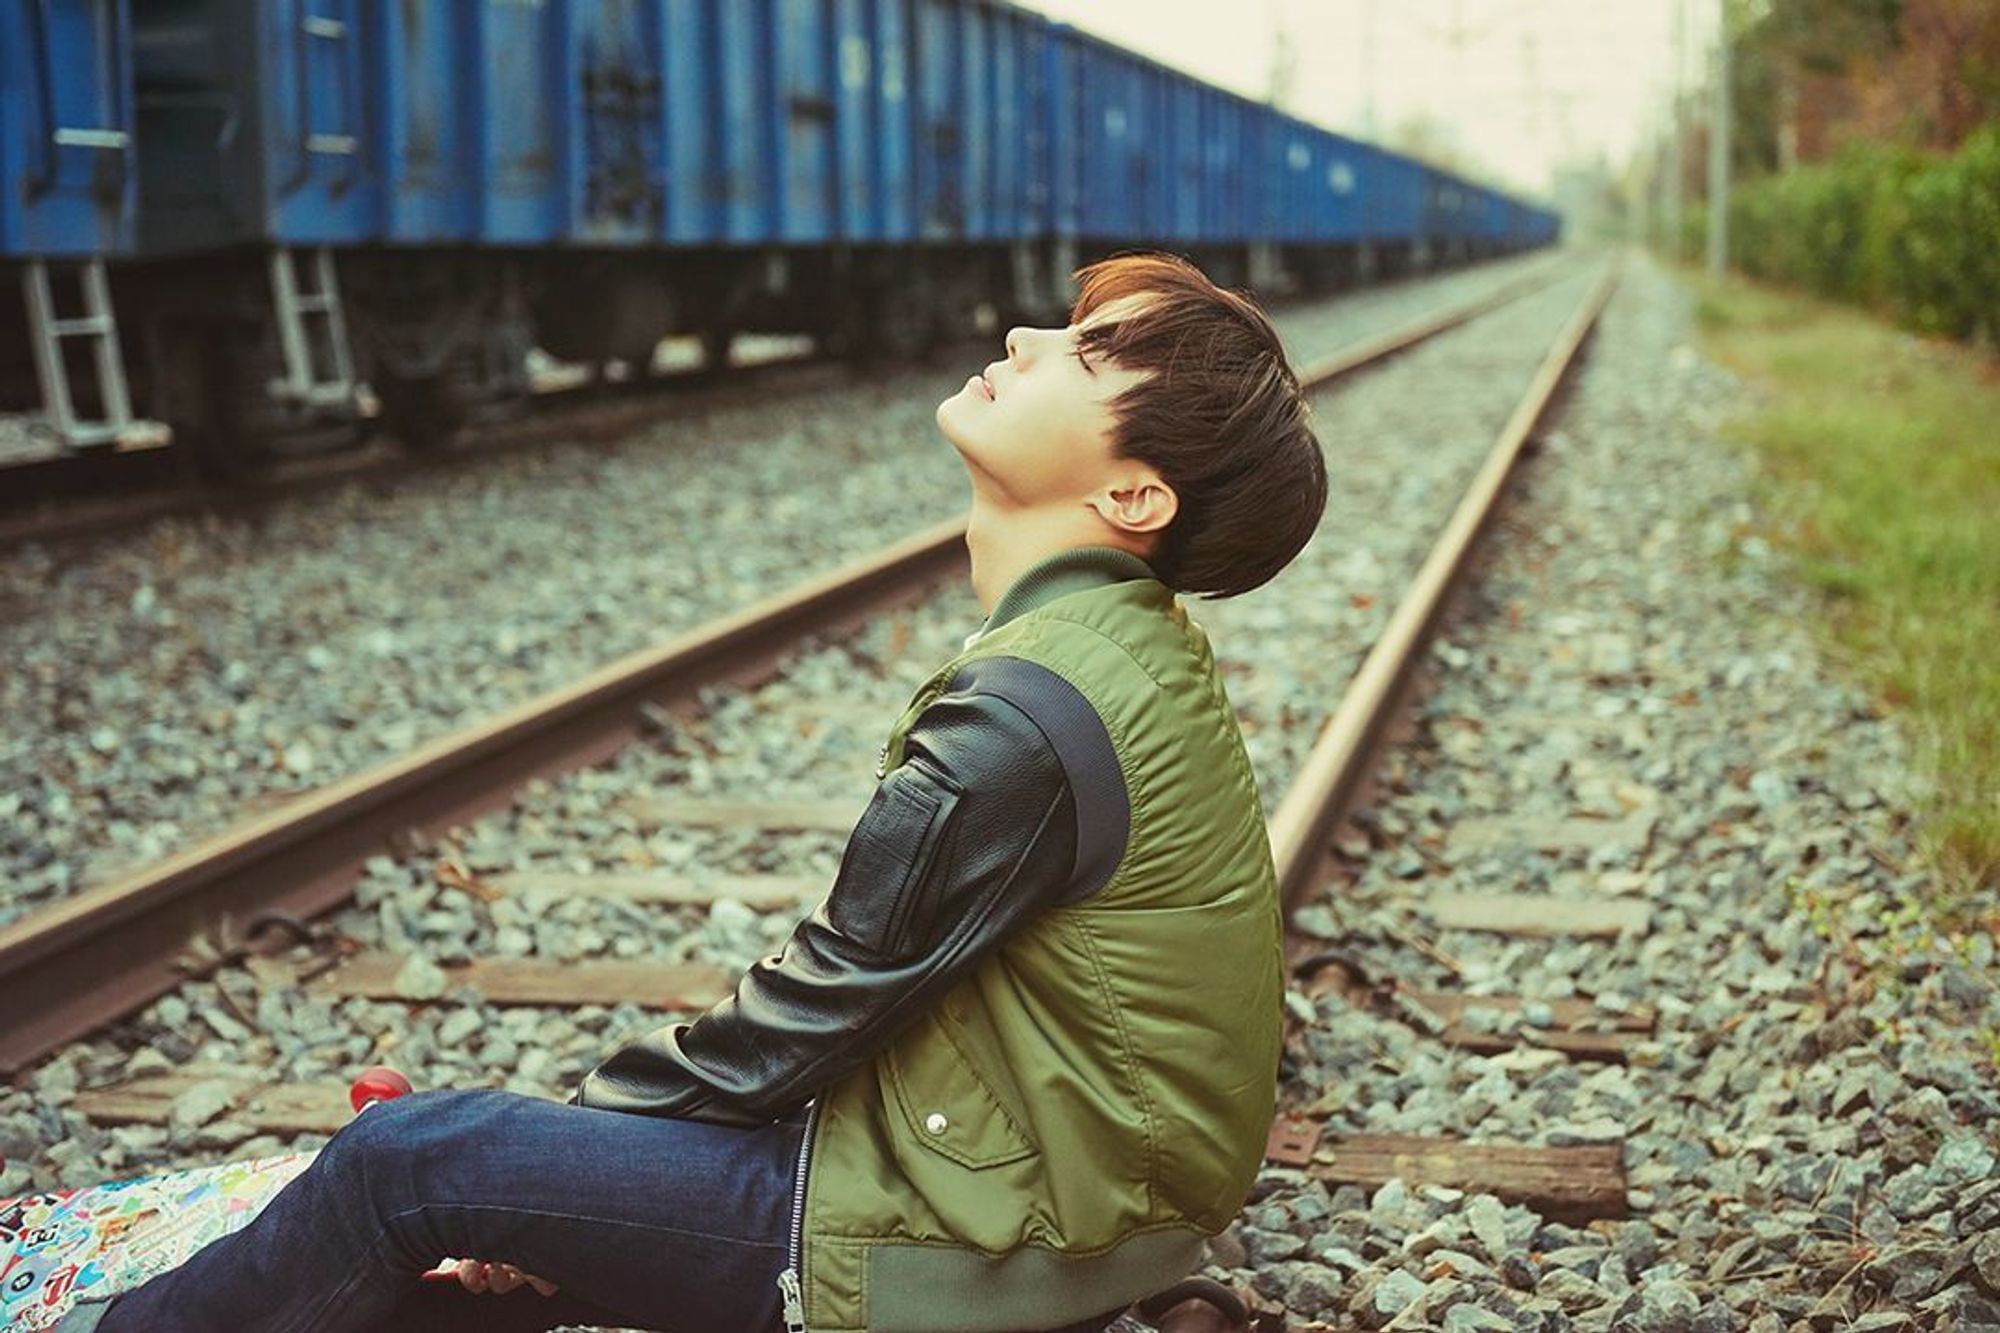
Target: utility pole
x=1284, y=76
x=1642, y=200
x=1674, y=131
x=1718, y=150
x=1369, y=123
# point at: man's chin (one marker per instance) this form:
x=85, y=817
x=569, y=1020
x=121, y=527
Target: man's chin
x=945, y=415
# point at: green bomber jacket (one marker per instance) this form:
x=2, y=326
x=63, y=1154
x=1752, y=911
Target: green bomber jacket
x=1035, y=1026
x=1115, y=1062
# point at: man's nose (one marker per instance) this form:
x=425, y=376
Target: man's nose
x=1022, y=340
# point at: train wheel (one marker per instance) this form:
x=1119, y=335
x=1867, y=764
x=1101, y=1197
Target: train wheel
x=715, y=344
x=903, y=323
x=422, y=411
x=208, y=399
x=846, y=338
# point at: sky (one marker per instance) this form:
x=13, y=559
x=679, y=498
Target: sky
x=1520, y=87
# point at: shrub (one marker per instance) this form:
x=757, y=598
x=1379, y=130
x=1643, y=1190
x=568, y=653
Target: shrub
x=1914, y=236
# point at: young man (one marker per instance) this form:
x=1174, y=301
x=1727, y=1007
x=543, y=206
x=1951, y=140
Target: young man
x=1021, y=1061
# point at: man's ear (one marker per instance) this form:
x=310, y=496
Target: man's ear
x=1147, y=504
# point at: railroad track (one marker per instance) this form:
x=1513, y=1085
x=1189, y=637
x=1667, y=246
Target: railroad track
x=82, y=497
x=85, y=496
x=246, y=899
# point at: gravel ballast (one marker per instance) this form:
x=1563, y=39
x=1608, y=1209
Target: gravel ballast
x=1810, y=1136
x=162, y=684
x=1807, y=1150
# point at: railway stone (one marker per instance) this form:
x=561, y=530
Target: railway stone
x=1964, y=1159
x=1226, y=1248
x=1329, y=1251
x=1574, y=1291
x=458, y=1026
x=1267, y=1246
x=1466, y=1317
x=1487, y=1219
x=1983, y=1257
x=1314, y=1289
x=1390, y=1295
x=1879, y=1321
x=1666, y=1306
x=420, y=978
x=20, y=1136
x=200, y=1103
x=222, y=1134
x=1272, y=1280
x=1519, y=1270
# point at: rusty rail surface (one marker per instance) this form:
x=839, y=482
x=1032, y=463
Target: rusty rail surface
x=108, y=950
x=1373, y=351
x=1321, y=793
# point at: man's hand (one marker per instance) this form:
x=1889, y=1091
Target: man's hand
x=481, y=1275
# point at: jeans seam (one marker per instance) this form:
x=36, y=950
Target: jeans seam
x=382, y=1234
x=353, y=1280
x=585, y=1217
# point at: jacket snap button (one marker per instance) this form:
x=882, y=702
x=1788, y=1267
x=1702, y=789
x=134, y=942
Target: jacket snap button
x=935, y=1122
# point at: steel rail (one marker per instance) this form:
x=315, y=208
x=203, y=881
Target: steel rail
x=104, y=951
x=1369, y=352
x=1323, y=790
x=145, y=482
x=109, y=950
x=53, y=499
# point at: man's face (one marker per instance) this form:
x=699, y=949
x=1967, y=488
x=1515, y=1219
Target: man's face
x=1036, y=428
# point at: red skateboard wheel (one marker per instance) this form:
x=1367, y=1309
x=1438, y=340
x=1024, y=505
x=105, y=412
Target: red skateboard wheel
x=377, y=1083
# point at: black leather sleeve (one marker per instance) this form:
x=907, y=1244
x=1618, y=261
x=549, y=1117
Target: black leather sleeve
x=972, y=835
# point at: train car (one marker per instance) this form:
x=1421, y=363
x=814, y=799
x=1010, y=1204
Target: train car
x=253, y=163
x=1394, y=201
x=415, y=195
x=1320, y=224
x=1441, y=232
x=66, y=160
x=1136, y=149
x=980, y=82
x=1498, y=230
x=519, y=148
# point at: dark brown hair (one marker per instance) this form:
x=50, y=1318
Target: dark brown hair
x=1221, y=418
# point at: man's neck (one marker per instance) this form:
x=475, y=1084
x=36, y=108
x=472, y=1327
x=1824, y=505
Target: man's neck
x=1005, y=544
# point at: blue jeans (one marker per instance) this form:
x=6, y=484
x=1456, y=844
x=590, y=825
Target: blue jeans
x=642, y=1222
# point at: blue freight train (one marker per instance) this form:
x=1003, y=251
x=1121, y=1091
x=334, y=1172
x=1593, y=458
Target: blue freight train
x=237, y=212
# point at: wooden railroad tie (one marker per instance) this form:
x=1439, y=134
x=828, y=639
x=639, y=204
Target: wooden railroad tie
x=704, y=812
x=1538, y=914
x=1551, y=834
x=655, y=985
x=1579, y=1028
x=1572, y=1185
x=267, y=1108
x=761, y=891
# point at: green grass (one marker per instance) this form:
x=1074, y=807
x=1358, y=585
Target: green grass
x=1880, y=478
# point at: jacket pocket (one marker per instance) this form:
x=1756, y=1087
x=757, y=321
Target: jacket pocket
x=876, y=898
x=947, y=1106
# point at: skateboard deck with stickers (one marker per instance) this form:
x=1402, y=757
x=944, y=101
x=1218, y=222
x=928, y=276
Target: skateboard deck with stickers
x=100, y=1240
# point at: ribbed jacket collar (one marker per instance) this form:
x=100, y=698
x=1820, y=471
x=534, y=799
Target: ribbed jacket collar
x=1064, y=572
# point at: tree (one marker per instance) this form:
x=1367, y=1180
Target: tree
x=1810, y=75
